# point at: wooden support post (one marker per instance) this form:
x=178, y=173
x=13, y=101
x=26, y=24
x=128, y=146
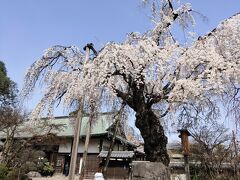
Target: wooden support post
x=117, y=122
x=236, y=156
x=186, y=164
x=84, y=159
x=77, y=130
x=112, y=143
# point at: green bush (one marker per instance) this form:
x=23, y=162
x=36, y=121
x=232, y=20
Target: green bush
x=3, y=171
x=29, y=166
x=13, y=173
x=47, y=169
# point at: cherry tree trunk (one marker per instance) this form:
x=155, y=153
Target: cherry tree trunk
x=155, y=141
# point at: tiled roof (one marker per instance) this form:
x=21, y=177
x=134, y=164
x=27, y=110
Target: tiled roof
x=117, y=154
x=99, y=126
x=36, y=127
x=66, y=129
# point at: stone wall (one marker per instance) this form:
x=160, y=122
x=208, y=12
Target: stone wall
x=149, y=171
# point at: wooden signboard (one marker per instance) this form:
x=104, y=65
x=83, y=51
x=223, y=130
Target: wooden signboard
x=185, y=142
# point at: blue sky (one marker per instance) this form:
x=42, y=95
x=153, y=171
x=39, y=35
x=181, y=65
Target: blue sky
x=28, y=27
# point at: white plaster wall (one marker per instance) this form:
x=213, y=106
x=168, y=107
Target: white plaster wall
x=92, y=148
x=65, y=148
x=115, y=148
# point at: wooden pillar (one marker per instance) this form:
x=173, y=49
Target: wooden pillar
x=77, y=129
x=78, y=122
x=100, y=144
x=236, y=155
x=186, y=150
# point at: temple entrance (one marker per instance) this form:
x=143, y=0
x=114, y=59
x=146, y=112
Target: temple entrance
x=66, y=165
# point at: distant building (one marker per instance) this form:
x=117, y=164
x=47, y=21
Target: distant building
x=59, y=151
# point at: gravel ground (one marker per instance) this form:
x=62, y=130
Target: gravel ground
x=55, y=177
x=61, y=177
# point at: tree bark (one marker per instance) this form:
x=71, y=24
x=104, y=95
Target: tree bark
x=155, y=141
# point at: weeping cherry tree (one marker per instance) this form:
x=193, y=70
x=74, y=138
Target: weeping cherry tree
x=148, y=72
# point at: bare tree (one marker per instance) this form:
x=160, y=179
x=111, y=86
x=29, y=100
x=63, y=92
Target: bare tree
x=211, y=147
x=10, y=120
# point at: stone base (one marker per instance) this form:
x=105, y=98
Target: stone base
x=149, y=171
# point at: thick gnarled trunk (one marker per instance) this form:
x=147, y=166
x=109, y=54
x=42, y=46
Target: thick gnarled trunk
x=155, y=141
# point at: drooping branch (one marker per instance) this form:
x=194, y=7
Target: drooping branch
x=61, y=55
x=169, y=19
x=117, y=118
